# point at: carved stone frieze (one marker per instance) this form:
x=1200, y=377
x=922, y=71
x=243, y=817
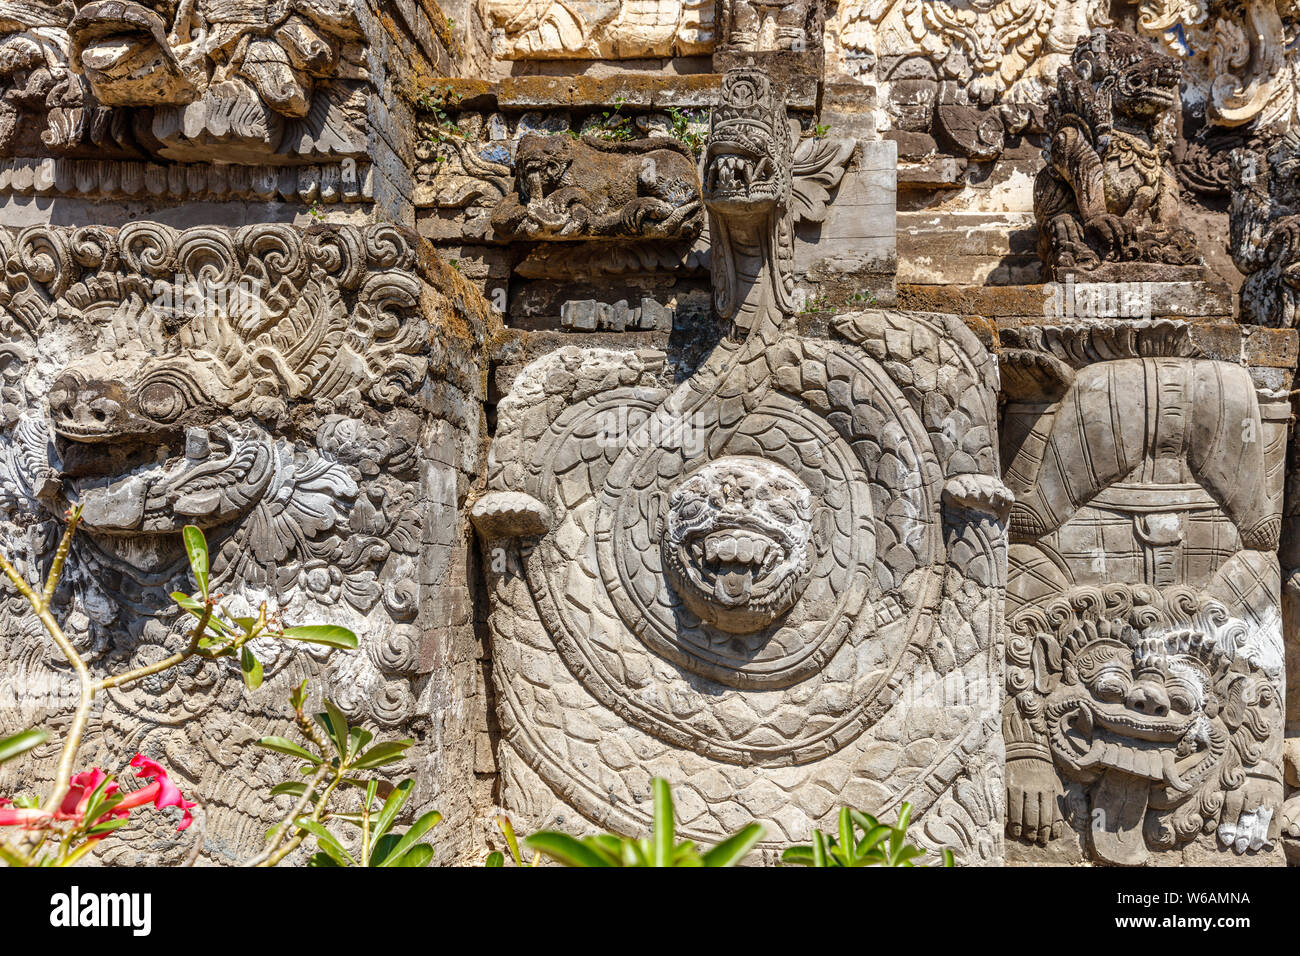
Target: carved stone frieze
x=1145, y=676
x=284, y=390
x=600, y=29
x=759, y=582
x=180, y=81
x=567, y=188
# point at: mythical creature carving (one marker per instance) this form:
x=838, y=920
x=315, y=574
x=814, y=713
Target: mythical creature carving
x=1145, y=668
x=996, y=49
x=268, y=385
x=739, y=588
x=579, y=189
x=254, y=80
x=1108, y=191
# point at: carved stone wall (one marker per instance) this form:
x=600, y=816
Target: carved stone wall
x=777, y=583
x=311, y=400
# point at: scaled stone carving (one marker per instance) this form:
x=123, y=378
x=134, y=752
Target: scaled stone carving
x=600, y=29
x=567, y=188
x=273, y=387
x=1108, y=192
x=250, y=80
x=1145, y=667
x=776, y=583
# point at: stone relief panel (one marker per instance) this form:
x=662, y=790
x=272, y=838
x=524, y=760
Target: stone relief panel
x=180, y=81
x=1145, y=676
x=599, y=29
x=568, y=188
x=1108, y=192
x=284, y=391
x=777, y=582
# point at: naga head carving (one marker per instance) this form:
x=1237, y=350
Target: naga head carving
x=737, y=542
x=748, y=164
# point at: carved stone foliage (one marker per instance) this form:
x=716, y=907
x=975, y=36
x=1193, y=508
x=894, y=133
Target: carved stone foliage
x=178, y=81
x=776, y=583
x=1004, y=49
x=272, y=387
x=1108, y=192
x=599, y=29
x=567, y=188
x=1145, y=662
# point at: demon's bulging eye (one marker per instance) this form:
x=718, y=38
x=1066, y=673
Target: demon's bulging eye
x=162, y=401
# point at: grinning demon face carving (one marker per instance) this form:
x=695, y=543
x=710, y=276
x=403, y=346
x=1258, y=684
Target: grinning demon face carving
x=1138, y=705
x=737, y=542
x=1158, y=703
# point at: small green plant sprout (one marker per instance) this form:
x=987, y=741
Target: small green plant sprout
x=862, y=841
x=496, y=859
x=820, y=131
x=684, y=126
x=315, y=211
x=343, y=759
x=611, y=124
x=659, y=849
x=435, y=101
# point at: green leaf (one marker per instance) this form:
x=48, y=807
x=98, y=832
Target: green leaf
x=384, y=821
x=21, y=742
x=418, y=829
x=798, y=856
x=293, y=788
x=496, y=860
x=664, y=823
x=327, y=841
x=419, y=855
x=508, y=831
x=335, y=726
x=281, y=745
x=735, y=847
x=331, y=635
x=380, y=754
x=564, y=849
x=197, y=548
x=298, y=696
x=819, y=849
x=321, y=859
x=948, y=859
x=108, y=826
x=251, y=668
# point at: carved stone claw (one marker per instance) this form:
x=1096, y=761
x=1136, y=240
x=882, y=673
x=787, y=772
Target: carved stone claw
x=510, y=514
x=982, y=493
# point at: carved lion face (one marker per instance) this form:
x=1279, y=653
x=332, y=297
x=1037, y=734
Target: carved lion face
x=1140, y=81
x=737, y=542
x=144, y=446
